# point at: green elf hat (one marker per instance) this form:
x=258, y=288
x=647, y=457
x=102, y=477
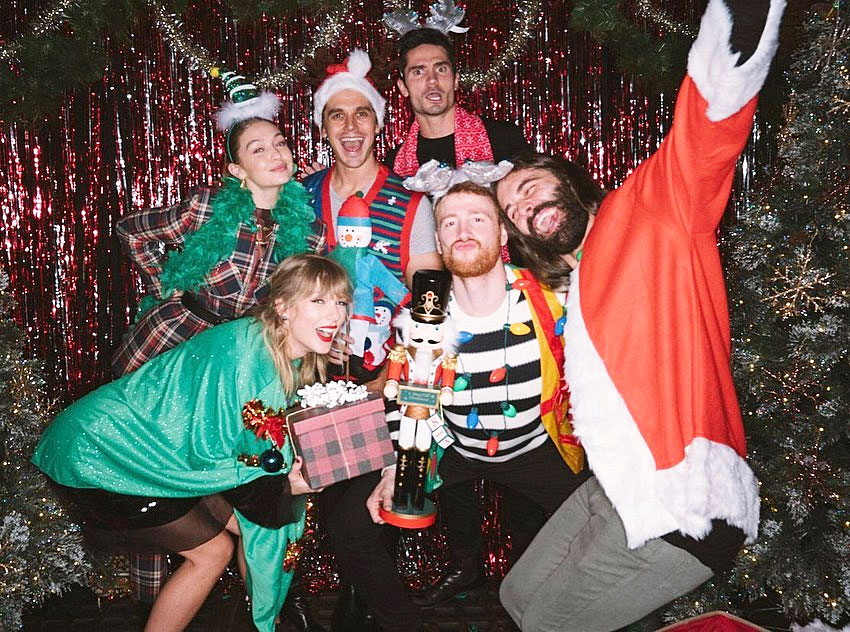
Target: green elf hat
x=245, y=101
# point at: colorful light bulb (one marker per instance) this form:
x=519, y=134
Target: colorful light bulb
x=559, y=325
x=497, y=375
x=461, y=382
x=519, y=329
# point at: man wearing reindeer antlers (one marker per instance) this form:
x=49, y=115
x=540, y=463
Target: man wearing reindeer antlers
x=442, y=130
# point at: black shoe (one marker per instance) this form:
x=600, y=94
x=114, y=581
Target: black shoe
x=351, y=614
x=462, y=578
x=297, y=615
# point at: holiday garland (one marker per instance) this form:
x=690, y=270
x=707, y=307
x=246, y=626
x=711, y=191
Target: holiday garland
x=67, y=38
x=659, y=59
x=65, y=46
x=213, y=242
x=198, y=57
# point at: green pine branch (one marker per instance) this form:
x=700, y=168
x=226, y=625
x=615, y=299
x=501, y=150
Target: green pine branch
x=659, y=60
x=41, y=550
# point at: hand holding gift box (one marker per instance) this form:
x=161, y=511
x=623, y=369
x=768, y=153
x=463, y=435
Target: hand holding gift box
x=340, y=432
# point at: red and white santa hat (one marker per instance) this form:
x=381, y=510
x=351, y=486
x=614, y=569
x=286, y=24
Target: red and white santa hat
x=354, y=212
x=349, y=75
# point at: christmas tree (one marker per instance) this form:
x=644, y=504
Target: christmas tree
x=788, y=260
x=41, y=550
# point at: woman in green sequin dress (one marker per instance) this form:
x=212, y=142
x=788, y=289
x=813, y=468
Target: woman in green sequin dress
x=160, y=459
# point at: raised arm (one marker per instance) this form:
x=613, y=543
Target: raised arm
x=691, y=173
x=147, y=235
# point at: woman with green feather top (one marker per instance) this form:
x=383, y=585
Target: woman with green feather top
x=183, y=452
x=206, y=259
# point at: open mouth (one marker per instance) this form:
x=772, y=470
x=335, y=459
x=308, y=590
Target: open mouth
x=351, y=145
x=434, y=97
x=545, y=222
x=326, y=334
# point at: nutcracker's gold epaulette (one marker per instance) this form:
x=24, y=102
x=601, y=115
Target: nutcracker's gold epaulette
x=397, y=353
x=449, y=362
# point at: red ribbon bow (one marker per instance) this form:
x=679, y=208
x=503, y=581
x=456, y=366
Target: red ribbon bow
x=264, y=422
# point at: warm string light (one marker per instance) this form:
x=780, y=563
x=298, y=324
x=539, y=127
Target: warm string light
x=801, y=286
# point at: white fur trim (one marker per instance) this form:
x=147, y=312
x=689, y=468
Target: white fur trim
x=355, y=79
x=436, y=179
x=712, y=481
x=817, y=626
x=264, y=106
x=711, y=62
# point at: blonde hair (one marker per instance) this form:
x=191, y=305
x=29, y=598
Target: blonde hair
x=296, y=279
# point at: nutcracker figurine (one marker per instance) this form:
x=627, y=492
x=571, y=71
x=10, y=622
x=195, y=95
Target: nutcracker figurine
x=421, y=375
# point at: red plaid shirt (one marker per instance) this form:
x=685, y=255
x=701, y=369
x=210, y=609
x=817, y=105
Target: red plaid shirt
x=229, y=291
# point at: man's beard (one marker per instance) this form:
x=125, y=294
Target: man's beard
x=565, y=238
x=486, y=260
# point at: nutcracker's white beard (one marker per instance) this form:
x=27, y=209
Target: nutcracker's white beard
x=422, y=365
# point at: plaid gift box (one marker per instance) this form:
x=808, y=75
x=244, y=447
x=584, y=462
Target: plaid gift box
x=342, y=442
x=713, y=622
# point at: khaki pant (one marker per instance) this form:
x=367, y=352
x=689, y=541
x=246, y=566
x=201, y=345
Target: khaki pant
x=578, y=575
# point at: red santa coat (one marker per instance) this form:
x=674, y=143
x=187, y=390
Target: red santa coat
x=647, y=337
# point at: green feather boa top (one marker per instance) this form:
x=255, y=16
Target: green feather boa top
x=215, y=241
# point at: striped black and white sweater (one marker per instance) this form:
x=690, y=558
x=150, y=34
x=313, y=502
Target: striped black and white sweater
x=490, y=347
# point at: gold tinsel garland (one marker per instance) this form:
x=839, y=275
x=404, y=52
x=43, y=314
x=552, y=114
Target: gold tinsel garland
x=46, y=23
x=332, y=22
x=647, y=10
x=199, y=58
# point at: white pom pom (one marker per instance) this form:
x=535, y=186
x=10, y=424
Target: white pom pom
x=359, y=63
x=331, y=394
x=265, y=106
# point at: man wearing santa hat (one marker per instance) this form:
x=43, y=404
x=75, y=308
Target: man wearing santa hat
x=349, y=111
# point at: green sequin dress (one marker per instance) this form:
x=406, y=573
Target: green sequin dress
x=170, y=433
